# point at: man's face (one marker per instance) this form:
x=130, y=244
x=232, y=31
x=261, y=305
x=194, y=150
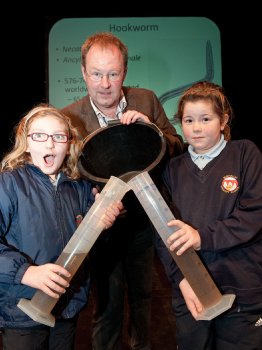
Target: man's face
x=107, y=65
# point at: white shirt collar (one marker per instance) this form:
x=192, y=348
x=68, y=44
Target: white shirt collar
x=102, y=118
x=201, y=160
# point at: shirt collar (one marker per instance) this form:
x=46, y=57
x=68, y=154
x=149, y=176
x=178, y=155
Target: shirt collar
x=212, y=153
x=102, y=118
x=201, y=160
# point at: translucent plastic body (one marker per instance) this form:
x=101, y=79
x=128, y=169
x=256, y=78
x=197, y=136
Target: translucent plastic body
x=189, y=262
x=40, y=306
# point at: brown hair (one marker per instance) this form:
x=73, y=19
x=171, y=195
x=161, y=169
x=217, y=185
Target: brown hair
x=104, y=39
x=205, y=90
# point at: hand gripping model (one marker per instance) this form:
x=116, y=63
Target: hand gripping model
x=41, y=305
x=189, y=263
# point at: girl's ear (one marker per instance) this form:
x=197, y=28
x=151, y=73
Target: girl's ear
x=224, y=122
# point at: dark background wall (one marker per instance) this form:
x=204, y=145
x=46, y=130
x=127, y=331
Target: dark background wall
x=24, y=57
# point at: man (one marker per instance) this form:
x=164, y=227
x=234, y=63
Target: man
x=124, y=259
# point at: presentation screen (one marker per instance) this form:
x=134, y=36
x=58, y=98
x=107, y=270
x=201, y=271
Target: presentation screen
x=166, y=55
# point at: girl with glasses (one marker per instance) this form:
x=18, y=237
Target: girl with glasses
x=42, y=201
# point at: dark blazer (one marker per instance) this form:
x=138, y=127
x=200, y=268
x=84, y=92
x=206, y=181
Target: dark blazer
x=145, y=101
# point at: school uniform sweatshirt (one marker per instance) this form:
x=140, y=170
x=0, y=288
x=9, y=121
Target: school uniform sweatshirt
x=223, y=201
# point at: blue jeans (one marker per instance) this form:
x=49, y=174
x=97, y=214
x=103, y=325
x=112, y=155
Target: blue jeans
x=122, y=261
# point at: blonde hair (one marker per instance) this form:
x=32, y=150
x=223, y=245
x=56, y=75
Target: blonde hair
x=214, y=93
x=19, y=156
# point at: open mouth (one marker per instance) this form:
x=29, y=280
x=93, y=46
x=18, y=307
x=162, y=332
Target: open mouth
x=49, y=159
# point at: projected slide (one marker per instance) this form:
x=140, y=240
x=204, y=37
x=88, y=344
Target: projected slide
x=166, y=55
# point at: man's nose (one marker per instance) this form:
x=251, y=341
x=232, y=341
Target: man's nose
x=105, y=81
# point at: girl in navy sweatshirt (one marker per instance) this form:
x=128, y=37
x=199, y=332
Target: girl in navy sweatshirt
x=216, y=188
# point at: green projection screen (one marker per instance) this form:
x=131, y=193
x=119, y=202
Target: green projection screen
x=166, y=55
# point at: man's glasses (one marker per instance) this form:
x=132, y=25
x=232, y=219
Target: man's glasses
x=42, y=137
x=96, y=76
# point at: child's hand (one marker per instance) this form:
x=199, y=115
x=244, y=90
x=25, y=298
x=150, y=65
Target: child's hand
x=50, y=278
x=184, y=238
x=111, y=213
x=193, y=303
x=96, y=191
